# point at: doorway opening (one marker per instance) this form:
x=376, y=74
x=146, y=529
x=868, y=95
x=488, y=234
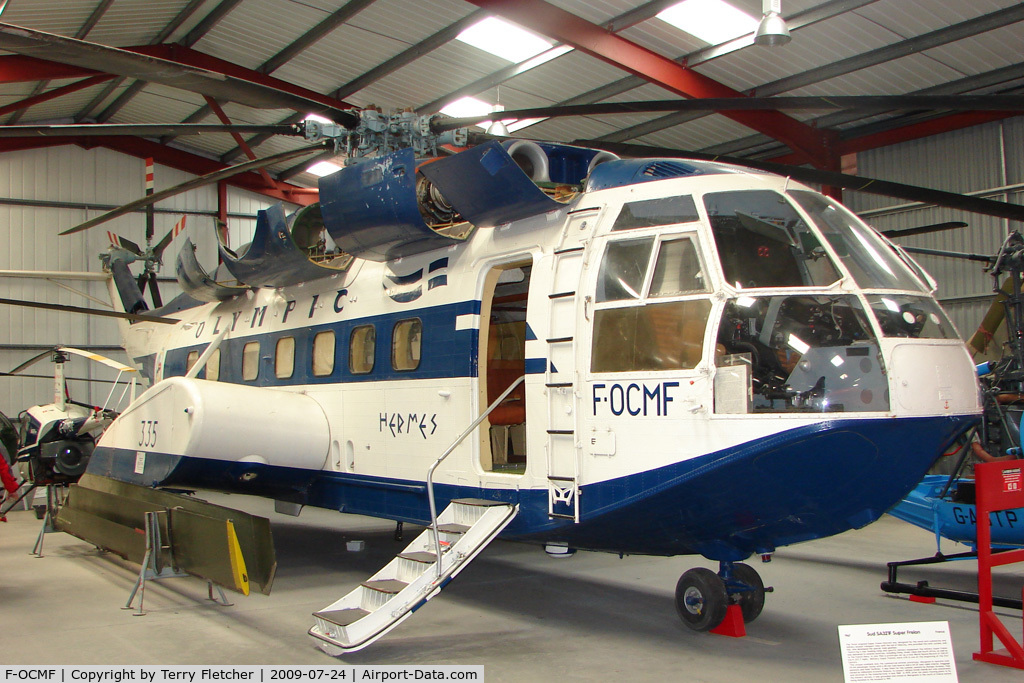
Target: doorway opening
x=502, y=362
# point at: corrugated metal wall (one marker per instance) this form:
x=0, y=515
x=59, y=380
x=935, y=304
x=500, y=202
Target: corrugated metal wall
x=31, y=183
x=986, y=157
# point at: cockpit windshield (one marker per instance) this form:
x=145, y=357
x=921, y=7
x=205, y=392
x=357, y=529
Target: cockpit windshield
x=873, y=264
x=763, y=242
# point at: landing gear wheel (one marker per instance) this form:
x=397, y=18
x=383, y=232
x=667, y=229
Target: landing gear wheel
x=751, y=602
x=701, y=600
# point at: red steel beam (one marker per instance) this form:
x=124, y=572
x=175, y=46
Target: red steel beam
x=239, y=140
x=923, y=129
x=539, y=16
x=22, y=69
x=914, y=131
x=54, y=93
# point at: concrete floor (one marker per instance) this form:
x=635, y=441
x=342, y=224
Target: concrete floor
x=521, y=614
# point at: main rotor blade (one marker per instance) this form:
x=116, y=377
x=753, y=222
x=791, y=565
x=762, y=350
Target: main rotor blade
x=709, y=104
x=913, y=193
x=143, y=129
x=112, y=60
x=194, y=183
x=924, y=229
x=134, y=317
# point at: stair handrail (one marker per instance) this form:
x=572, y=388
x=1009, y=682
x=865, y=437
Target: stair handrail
x=447, y=452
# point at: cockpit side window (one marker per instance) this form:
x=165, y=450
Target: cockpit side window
x=660, y=325
x=677, y=270
x=763, y=242
x=623, y=270
x=649, y=213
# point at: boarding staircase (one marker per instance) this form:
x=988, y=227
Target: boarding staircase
x=388, y=597
x=419, y=572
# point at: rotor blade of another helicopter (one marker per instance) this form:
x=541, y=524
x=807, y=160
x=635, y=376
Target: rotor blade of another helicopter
x=32, y=361
x=192, y=184
x=994, y=317
x=134, y=317
x=712, y=104
x=109, y=362
x=68, y=378
x=950, y=254
x=142, y=129
x=924, y=229
x=89, y=55
x=913, y=193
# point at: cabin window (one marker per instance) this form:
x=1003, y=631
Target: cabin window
x=213, y=366
x=649, y=213
x=190, y=360
x=284, y=358
x=406, y=343
x=361, y=349
x=623, y=270
x=251, y=361
x=323, y=354
x=763, y=242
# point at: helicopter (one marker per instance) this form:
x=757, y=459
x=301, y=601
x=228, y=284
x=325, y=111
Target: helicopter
x=54, y=440
x=546, y=343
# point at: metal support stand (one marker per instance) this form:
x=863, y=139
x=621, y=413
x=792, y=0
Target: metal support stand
x=153, y=569
x=53, y=501
x=924, y=592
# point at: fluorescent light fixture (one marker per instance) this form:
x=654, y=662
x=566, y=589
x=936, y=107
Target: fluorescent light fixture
x=713, y=21
x=317, y=117
x=322, y=168
x=505, y=40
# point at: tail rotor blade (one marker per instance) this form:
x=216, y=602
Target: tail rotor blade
x=124, y=243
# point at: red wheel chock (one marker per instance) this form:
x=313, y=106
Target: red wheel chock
x=732, y=625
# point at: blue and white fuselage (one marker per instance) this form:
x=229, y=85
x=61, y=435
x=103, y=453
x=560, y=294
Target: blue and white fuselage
x=717, y=362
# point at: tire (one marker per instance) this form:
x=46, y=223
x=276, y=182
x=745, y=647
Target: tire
x=701, y=600
x=751, y=602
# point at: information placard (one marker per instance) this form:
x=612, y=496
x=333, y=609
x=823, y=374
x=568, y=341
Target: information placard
x=920, y=652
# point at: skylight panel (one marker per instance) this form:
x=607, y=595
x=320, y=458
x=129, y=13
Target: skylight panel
x=505, y=40
x=322, y=168
x=466, y=107
x=713, y=21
